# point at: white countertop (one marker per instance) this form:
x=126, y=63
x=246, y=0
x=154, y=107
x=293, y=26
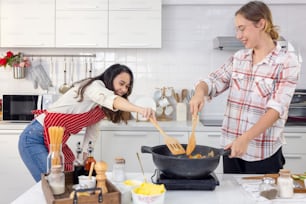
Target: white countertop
x=230, y=191
x=133, y=125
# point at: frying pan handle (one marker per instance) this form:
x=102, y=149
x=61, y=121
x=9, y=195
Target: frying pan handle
x=225, y=152
x=146, y=149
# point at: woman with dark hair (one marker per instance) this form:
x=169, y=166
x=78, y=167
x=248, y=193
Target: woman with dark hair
x=84, y=105
x=260, y=80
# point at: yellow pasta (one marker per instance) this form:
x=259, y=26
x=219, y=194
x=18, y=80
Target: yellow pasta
x=56, y=134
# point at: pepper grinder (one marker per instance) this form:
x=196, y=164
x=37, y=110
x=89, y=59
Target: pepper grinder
x=100, y=168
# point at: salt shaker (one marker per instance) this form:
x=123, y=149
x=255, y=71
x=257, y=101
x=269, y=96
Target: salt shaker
x=285, y=184
x=118, y=174
x=56, y=180
x=268, y=188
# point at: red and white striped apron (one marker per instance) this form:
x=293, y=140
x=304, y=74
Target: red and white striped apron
x=73, y=123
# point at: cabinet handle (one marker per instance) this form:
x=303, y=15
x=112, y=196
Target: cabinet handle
x=131, y=9
x=81, y=45
x=290, y=156
x=216, y=135
x=134, y=45
x=132, y=134
x=293, y=137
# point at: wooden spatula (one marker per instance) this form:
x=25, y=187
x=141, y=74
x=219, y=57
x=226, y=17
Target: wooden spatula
x=173, y=144
x=192, y=140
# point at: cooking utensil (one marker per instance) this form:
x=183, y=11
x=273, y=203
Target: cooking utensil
x=141, y=167
x=65, y=87
x=192, y=140
x=184, y=95
x=173, y=144
x=181, y=166
x=91, y=170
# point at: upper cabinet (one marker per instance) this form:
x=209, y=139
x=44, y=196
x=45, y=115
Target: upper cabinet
x=135, y=24
x=25, y=24
x=82, y=23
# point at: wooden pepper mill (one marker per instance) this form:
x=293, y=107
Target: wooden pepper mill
x=100, y=168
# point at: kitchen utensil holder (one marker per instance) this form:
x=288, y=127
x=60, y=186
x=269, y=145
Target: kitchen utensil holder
x=163, y=116
x=19, y=72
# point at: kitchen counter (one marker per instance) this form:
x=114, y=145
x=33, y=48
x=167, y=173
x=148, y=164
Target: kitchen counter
x=133, y=125
x=229, y=191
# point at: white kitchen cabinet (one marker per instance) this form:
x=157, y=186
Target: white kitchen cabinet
x=211, y=139
x=24, y=24
x=134, y=24
x=82, y=23
x=81, y=28
x=295, y=151
x=126, y=144
x=15, y=177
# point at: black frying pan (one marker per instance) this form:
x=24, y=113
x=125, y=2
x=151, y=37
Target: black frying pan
x=180, y=166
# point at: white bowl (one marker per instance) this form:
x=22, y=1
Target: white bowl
x=148, y=199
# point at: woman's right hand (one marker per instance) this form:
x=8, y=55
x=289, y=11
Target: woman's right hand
x=197, y=101
x=148, y=113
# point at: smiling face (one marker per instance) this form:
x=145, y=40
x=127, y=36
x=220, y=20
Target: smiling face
x=248, y=32
x=121, y=83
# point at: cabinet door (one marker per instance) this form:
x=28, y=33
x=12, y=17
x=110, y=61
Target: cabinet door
x=135, y=4
x=27, y=23
x=81, y=29
x=81, y=4
x=211, y=139
x=126, y=144
x=295, y=152
x=74, y=139
x=12, y=167
x=134, y=29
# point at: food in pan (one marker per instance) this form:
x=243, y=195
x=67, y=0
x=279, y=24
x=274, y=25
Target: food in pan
x=200, y=156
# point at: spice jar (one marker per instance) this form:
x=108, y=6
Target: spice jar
x=56, y=180
x=285, y=184
x=268, y=188
x=118, y=173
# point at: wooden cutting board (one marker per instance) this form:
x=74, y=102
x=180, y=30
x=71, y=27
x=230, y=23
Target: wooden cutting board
x=275, y=176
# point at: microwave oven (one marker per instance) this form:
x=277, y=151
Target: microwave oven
x=19, y=107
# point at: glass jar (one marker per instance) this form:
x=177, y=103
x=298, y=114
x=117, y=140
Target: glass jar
x=56, y=180
x=285, y=184
x=118, y=174
x=55, y=157
x=268, y=188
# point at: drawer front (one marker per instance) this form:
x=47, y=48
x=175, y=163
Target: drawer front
x=295, y=162
x=295, y=143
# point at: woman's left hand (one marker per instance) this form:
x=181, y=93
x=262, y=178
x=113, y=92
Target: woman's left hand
x=238, y=147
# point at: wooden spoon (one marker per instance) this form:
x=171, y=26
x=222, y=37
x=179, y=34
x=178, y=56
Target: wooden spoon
x=173, y=144
x=192, y=140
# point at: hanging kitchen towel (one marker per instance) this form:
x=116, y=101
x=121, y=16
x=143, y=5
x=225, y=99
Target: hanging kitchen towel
x=39, y=77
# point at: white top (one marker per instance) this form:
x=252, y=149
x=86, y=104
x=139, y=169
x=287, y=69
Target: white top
x=95, y=94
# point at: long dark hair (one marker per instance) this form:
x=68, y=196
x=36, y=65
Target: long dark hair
x=107, y=77
x=256, y=10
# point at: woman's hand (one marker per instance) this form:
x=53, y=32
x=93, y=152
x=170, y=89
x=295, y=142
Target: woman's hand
x=238, y=147
x=197, y=101
x=148, y=113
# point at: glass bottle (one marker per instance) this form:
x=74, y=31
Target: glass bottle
x=268, y=188
x=118, y=173
x=78, y=164
x=285, y=184
x=56, y=180
x=55, y=157
x=90, y=159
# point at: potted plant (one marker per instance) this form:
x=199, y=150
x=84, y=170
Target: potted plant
x=17, y=61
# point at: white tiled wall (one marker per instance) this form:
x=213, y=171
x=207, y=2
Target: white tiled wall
x=186, y=55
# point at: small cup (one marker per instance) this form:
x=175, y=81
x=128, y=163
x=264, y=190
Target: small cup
x=85, y=182
x=169, y=110
x=163, y=102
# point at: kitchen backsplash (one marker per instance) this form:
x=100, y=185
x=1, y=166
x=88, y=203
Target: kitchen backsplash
x=186, y=55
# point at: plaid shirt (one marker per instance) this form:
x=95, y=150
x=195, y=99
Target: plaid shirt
x=252, y=90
